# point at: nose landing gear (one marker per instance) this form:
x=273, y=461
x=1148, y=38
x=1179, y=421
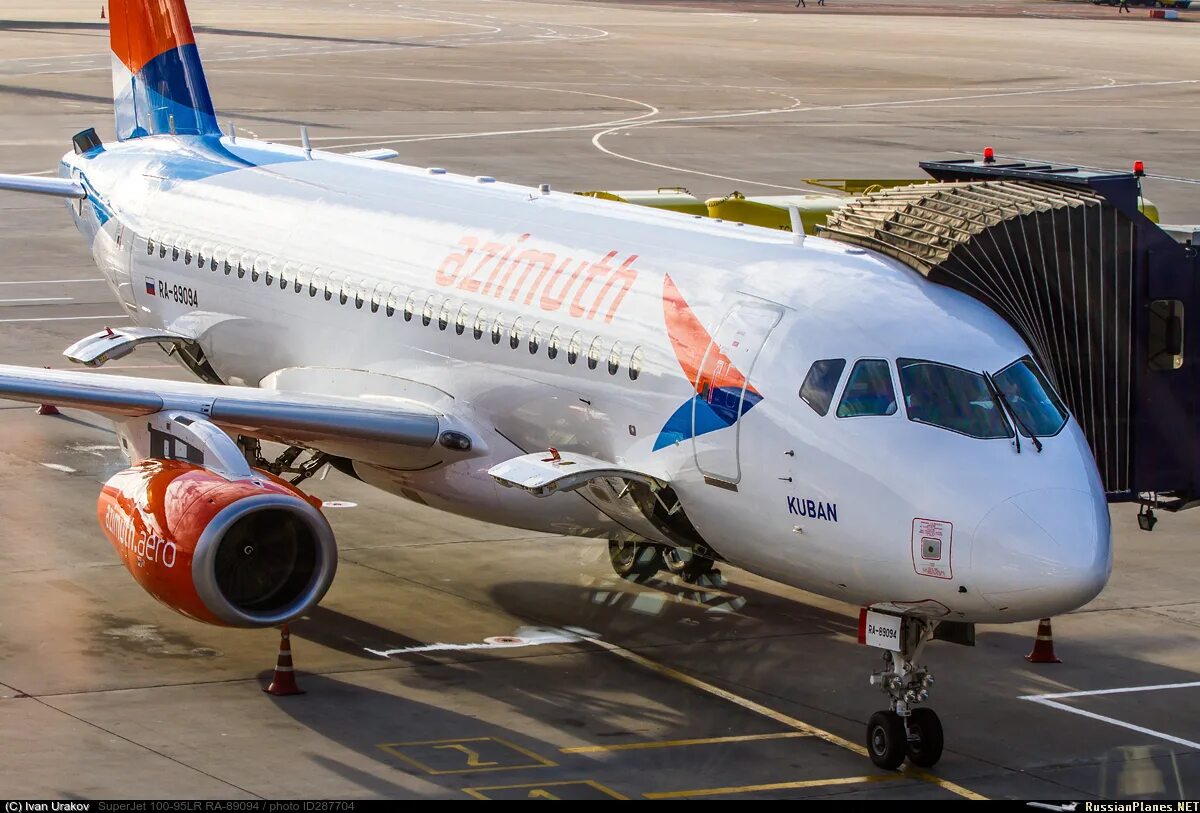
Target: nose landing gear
x=902, y=730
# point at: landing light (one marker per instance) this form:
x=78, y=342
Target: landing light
x=455, y=440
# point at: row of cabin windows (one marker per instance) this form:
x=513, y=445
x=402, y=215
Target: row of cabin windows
x=482, y=324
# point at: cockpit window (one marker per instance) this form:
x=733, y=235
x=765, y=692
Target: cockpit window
x=869, y=390
x=951, y=398
x=1031, y=397
x=821, y=381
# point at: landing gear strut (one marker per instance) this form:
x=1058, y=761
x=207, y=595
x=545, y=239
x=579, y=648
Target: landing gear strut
x=285, y=463
x=902, y=730
x=692, y=567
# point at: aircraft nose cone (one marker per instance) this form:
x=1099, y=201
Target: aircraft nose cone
x=1043, y=552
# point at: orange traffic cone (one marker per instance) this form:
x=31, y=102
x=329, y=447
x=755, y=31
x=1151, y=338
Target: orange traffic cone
x=284, y=681
x=1043, y=647
x=102, y=12
x=48, y=409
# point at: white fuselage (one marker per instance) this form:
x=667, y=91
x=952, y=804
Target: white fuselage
x=447, y=286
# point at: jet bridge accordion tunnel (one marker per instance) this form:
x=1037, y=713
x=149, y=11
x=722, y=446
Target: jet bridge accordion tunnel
x=1106, y=300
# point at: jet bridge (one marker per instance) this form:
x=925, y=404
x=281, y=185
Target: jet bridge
x=1099, y=292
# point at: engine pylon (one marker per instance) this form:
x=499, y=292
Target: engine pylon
x=283, y=683
x=1043, y=646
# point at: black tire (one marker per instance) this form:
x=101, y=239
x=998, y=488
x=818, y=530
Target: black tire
x=687, y=565
x=887, y=742
x=925, y=738
x=636, y=561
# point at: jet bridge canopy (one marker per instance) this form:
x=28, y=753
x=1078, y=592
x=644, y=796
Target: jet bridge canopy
x=1097, y=291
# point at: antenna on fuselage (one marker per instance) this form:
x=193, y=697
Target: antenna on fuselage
x=232, y=132
x=304, y=143
x=797, y=225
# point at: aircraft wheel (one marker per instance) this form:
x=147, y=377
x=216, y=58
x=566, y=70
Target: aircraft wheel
x=691, y=567
x=925, y=738
x=636, y=561
x=887, y=740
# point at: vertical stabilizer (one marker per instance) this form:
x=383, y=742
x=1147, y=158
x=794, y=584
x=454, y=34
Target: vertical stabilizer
x=158, y=83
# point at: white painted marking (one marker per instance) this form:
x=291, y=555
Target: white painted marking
x=64, y=318
x=48, y=281
x=1048, y=700
x=59, y=467
x=1097, y=692
x=524, y=636
x=39, y=299
x=339, y=504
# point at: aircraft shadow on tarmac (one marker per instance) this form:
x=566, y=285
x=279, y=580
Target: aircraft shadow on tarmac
x=588, y=697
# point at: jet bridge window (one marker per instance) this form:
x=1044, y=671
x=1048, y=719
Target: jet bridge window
x=869, y=390
x=1030, y=396
x=820, y=384
x=951, y=398
x=1165, y=343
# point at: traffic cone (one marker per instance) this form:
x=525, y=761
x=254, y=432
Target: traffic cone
x=102, y=13
x=1043, y=647
x=284, y=681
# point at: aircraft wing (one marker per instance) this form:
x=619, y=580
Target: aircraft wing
x=57, y=187
x=387, y=432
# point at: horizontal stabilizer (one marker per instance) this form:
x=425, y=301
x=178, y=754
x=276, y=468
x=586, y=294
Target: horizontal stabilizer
x=58, y=187
x=115, y=343
x=545, y=473
x=375, y=155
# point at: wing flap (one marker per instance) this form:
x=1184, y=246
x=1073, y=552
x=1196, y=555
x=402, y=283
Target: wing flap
x=546, y=473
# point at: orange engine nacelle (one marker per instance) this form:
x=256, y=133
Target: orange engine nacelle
x=240, y=553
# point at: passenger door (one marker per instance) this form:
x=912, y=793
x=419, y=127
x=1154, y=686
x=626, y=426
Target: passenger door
x=723, y=389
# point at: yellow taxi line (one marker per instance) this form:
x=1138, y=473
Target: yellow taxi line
x=638, y=746
x=778, y=716
x=806, y=783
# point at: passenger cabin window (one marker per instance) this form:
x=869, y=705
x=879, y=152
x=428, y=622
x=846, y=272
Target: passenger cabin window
x=614, y=358
x=480, y=324
x=869, y=390
x=1031, y=398
x=820, y=384
x=635, y=363
x=574, y=346
x=552, y=345
x=951, y=398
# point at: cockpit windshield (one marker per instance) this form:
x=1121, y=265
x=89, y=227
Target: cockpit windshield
x=1031, y=398
x=951, y=398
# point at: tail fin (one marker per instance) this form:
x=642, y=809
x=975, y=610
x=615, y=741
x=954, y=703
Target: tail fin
x=158, y=84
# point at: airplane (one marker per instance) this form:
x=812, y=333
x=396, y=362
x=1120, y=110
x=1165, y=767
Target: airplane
x=695, y=392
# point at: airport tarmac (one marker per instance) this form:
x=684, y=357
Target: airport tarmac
x=456, y=659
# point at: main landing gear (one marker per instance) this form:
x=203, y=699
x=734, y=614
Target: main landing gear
x=902, y=730
x=641, y=561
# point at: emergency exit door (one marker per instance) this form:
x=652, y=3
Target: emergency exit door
x=724, y=389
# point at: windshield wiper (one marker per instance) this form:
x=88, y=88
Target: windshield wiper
x=999, y=396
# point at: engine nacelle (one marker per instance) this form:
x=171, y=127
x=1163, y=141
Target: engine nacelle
x=247, y=552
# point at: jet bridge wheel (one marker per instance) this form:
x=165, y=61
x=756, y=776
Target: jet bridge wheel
x=636, y=561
